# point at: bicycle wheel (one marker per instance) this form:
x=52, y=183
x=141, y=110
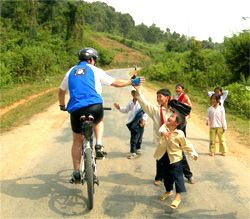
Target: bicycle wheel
x=89, y=177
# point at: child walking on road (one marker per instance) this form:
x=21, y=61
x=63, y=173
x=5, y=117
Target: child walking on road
x=158, y=113
x=170, y=151
x=218, y=126
x=136, y=122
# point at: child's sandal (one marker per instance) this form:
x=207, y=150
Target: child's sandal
x=212, y=154
x=175, y=204
x=165, y=195
x=131, y=155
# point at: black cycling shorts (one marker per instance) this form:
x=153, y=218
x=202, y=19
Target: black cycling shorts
x=95, y=110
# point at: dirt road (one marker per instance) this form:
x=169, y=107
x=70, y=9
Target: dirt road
x=36, y=167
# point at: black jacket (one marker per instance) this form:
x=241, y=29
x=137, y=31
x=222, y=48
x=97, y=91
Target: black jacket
x=134, y=125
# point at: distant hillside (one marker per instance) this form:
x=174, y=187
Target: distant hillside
x=124, y=56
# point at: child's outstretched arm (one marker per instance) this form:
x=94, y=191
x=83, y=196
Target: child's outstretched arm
x=117, y=106
x=125, y=109
x=146, y=106
x=187, y=146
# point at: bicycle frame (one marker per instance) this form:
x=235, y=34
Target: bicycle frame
x=88, y=167
x=88, y=144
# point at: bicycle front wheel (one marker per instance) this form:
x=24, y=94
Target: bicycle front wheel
x=89, y=177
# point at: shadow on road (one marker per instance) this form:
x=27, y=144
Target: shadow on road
x=65, y=199
x=125, y=179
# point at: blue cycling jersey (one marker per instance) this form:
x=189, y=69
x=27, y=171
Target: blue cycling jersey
x=81, y=84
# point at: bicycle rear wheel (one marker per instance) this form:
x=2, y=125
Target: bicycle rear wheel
x=89, y=177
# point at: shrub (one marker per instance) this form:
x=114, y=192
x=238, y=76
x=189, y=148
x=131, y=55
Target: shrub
x=238, y=99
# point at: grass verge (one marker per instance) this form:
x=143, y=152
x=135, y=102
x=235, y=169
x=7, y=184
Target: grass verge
x=19, y=92
x=21, y=114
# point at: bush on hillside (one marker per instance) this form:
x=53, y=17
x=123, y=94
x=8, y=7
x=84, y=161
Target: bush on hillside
x=238, y=99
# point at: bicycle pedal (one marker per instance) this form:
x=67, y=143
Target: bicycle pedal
x=96, y=181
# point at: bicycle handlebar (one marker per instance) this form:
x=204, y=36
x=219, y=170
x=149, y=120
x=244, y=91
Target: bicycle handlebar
x=64, y=109
x=106, y=108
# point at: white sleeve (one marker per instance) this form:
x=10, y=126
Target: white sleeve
x=64, y=84
x=126, y=109
x=225, y=93
x=210, y=93
x=104, y=77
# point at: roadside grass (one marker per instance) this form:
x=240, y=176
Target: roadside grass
x=19, y=92
x=21, y=114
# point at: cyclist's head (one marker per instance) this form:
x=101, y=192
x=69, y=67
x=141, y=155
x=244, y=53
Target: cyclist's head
x=87, y=53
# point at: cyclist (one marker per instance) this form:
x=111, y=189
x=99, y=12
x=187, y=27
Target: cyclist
x=84, y=84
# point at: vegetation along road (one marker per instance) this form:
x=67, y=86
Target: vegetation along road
x=36, y=168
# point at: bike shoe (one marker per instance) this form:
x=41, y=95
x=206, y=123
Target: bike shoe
x=76, y=178
x=100, y=154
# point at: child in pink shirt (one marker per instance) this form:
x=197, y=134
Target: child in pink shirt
x=218, y=126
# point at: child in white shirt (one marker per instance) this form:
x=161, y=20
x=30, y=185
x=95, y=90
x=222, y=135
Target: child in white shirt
x=136, y=122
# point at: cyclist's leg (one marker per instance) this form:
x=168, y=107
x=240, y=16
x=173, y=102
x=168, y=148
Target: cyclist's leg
x=76, y=151
x=99, y=130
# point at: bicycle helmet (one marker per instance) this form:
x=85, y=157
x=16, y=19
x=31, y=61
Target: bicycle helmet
x=86, y=54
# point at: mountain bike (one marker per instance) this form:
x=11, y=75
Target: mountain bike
x=88, y=161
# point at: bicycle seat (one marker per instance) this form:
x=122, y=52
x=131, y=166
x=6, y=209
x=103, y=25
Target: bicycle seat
x=87, y=125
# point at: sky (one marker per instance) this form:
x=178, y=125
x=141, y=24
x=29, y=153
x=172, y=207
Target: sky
x=199, y=18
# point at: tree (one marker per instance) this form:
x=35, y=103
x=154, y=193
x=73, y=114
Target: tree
x=196, y=59
x=154, y=34
x=17, y=12
x=127, y=24
x=236, y=53
x=70, y=16
x=32, y=19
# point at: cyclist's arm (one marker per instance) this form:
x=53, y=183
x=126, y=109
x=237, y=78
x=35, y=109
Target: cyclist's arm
x=61, y=97
x=123, y=83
